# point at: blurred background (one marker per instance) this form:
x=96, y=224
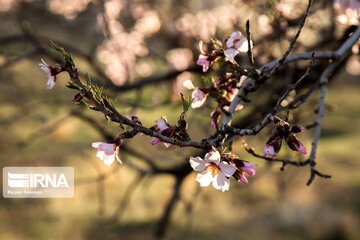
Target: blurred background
x=141, y=51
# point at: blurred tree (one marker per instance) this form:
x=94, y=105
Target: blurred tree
x=143, y=53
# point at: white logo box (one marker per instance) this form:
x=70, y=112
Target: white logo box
x=38, y=182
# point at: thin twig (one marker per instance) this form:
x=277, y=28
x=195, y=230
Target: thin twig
x=293, y=41
x=323, y=82
x=249, y=52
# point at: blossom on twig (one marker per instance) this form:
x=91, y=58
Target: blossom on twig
x=243, y=167
x=51, y=73
x=205, y=60
x=282, y=131
x=164, y=128
x=197, y=95
x=212, y=170
x=107, y=151
x=235, y=44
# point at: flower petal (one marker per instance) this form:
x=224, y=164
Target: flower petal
x=295, y=144
x=239, y=107
x=44, y=62
x=108, y=148
x=249, y=170
x=233, y=37
x=197, y=163
x=243, y=178
x=108, y=159
x=203, y=61
x=51, y=82
x=188, y=84
x=220, y=182
x=242, y=45
x=167, y=144
x=204, y=178
x=100, y=154
x=199, y=98
x=117, y=155
x=201, y=43
x=96, y=144
x=230, y=54
x=269, y=150
x=162, y=124
x=227, y=169
x=301, y=148
x=213, y=156
x=154, y=141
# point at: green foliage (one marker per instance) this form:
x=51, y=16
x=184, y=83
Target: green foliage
x=217, y=43
x=88, y=81
x=72, y=85
x=60, y=50
x=207, y=80
x=97, y=92
x=186, y=103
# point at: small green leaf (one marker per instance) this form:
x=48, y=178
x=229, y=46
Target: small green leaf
x=81, y=103
x=88, y=81
x=60, y=50
x=216, y=42
x=73, y=86
x=186, y=103
x=69, y=58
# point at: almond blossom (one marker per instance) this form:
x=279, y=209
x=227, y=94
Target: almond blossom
x=162, y=126
x=243, y=167
x=212, y=170
x=215, y=117
x=283, y=131
x=273, y=145
x=51, y=73
x=197, y=95
x=107, y=152
x=205, y=59
x=235, y=44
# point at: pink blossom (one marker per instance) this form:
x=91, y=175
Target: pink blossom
x=204, y=59
x=215, y=117
x=294, y=144
x=198, y=96
x=212, y=170
x=243, y=167
x=273, y=145
x=51, y=74
x=269, y=150
x=162, y=125
x=107, y=152
x=235, y=44
x=282, y=131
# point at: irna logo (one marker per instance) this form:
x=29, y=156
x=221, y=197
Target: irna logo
x=35, y=180
x=38, y=182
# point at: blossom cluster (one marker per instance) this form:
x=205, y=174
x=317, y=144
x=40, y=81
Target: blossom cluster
x=215, y=168
x=226, y=87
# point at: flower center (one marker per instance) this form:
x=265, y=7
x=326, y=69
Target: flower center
x=213, y=168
